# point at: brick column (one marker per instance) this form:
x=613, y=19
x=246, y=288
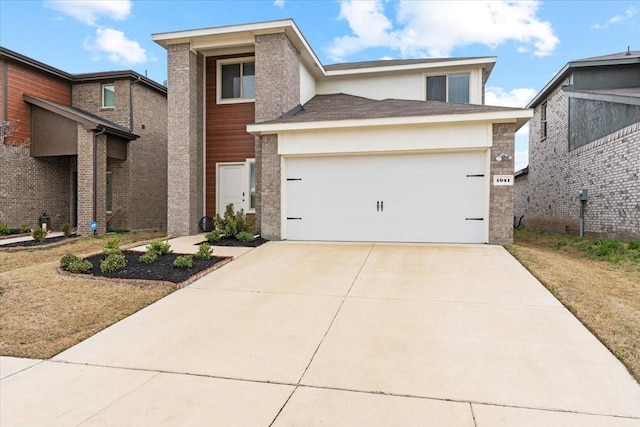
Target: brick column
x=185, y=131
x=277, y=91
x=85, y=195
x=501, y=197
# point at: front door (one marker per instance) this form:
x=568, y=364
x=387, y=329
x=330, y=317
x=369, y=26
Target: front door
x=231, y=186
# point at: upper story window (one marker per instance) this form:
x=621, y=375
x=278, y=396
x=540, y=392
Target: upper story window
x=108, y=95
x=543, y=120
x=448, y=88
x=236, y=80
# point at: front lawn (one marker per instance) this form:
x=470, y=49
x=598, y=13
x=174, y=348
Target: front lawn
x=43, y=313
x=598, y=280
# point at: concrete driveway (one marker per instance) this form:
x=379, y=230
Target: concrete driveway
x=337, y=334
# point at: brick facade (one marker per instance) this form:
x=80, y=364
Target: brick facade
x=48, y=183
x=185, y=129
x=501, y=198
x=277, y=91
x=30, y=186
x=607, y=167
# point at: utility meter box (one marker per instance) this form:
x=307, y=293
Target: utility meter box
x=584, y=195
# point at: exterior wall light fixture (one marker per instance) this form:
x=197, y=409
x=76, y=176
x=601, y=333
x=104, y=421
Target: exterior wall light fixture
x=503, y=156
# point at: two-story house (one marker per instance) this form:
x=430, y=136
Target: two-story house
x=585, y=135
x=400, y=150
x=81, y=147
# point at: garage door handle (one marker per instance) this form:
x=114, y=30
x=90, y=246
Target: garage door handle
x=382, y=206
x=378, y=206
x=474, y=219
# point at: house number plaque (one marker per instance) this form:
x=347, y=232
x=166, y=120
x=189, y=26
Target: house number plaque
x=503, y=180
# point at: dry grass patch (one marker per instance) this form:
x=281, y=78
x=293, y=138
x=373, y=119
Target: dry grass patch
x=604, y=295
x=43, y=313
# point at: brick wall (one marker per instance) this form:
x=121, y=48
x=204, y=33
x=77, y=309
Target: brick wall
x=30, y=186
x=88, y=97
x=185, y=127
x=501, y=198
x=277, y=91
x=85, y=181
x=607, y=167
x=147, y=161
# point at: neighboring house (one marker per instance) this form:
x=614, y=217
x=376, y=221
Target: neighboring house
x=399, y=150
x=81, y=147
x=585, y=135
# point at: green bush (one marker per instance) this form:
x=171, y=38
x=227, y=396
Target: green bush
x=183, y=261
x=245, y=236
x=24, y=228
x=161, y=248
x=66, y=229
x=213, y=237
x=634, y=245
x=112, y=247
x=80, y=266
x=232, y=223
x=75, y=264
x=112, y=263
x=4, y=229
x=66, y=260
x=39, y=234
x=204, y=251
x=149, y=257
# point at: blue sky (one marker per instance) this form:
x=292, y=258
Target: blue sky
x=532, y=40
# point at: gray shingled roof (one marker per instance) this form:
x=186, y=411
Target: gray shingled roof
x=389, y=63
x=620, y=55
x=349, y=107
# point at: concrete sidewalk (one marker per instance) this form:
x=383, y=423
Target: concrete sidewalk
x=337, y=334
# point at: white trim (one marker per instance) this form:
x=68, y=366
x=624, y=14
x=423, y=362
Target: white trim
x=520, y=117
x=227, y=61
x=488, y=60
x=204, y=138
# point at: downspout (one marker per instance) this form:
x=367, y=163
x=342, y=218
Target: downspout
x=95, y=172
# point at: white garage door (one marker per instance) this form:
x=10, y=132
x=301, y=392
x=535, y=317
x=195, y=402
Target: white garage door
x=390, y=198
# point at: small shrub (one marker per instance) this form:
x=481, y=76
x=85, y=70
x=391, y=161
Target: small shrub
x=66, y=229
x=24, y=228
x=112, y=263
x=66, y=260
x=39, y=234
x=75, y=264
x=634, y=245
x=112, y=247
x=15, y=231
x=80, y=266
x=161, y=248
x=245, y=236
x=149, y=257
x=183, y=261
x=204, y=251
x=213, y=237
x=4, y=229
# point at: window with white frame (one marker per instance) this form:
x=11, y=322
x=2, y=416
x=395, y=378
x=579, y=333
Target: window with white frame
x=448, y=88
x=108, y=95
x=236, y=80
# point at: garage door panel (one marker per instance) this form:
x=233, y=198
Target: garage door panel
x=424, y=197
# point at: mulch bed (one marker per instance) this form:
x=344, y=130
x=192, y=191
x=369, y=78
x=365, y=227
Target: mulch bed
x=230, y=241
x=161, y=270
x=49, y=242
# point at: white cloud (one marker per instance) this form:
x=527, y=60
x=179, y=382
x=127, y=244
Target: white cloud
x=278, y=3
x=89, y=11
x=519, y=97
x=116, y=46
x=521, y=154
x=435, y=28
x=628, y=14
